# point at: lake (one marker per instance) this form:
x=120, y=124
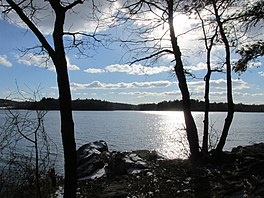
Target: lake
x=154, y=130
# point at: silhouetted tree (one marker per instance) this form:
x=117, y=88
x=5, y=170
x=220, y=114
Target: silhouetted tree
x=25, y=168
x=26, y=10
x=209, y=41
x=164, y=12
x=219, y=8
x=220, y=35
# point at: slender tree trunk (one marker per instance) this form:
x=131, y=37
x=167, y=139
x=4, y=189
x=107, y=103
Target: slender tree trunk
x=192, y=134
x=230, y=112
x=208, y=45
x=206, y=97
x=37, y=159
x=59, y=59
x=206, y=112
x=67, y=132
x=67, y=125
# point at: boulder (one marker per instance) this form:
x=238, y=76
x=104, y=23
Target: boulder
x=125, y=163
x=87, y=151
x=91, y=159
x=94, y=161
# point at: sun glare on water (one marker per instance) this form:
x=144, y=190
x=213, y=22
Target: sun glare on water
x=171, y=136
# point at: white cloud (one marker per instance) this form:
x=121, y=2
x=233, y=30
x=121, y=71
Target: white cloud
x=218, y=84
x=248, y=94
x=118, y=68
x=42, y=61
x=261, y=73
x=4, y=61
x=218, y=93
x=131, y=69
x=71, y=66
x=121, y=85
x=143, y=94
x=94, y=70
x=200, y=66
x=237, y=84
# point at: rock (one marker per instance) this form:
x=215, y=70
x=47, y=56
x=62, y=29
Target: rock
x=242, y=177
x=92, y=159
x=88, y=150
x=149, y=155
x=249, y=150
x=129, y=163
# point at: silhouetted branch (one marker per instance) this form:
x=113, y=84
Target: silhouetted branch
x=152, y=55
x=70, y=6
x=33, y=27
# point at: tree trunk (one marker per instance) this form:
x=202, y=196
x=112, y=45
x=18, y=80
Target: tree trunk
x=208, y=45
x=191, y=129
x=67, y=132
x=59, y=60
x=230, y=112
x=67, y=125
x=206, y=109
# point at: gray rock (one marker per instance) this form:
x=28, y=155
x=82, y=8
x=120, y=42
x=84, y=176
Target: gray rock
x=91, y=158
x=94, y=159
x=89, y=150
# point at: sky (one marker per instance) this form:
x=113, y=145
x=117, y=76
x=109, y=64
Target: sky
x=105, y=73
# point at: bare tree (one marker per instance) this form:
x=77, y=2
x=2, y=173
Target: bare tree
x=209, y=41
x=191, y=129
x=217, y=6
x=25, y=148
x=26, y=10
x=164, y=12
x=220, y=34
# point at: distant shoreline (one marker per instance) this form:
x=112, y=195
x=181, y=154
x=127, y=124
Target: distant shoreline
x=99, y=105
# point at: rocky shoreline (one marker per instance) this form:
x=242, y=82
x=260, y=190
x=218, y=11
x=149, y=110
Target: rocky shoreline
x=146, y=174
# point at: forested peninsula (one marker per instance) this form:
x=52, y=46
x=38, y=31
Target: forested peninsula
x=101, y=105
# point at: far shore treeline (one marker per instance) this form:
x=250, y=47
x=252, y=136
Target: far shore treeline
x=97, y=105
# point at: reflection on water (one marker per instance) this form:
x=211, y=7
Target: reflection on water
x=153, y=130
x=170, y=135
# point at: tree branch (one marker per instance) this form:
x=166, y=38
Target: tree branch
x=152, y=55
x=70, y=6
x=34, y=29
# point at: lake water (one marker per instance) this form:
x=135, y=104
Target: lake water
x=154, y=130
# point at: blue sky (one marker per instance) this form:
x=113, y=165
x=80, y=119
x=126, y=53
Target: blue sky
x=106, y=76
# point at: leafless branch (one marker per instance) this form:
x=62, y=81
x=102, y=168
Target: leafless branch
x=70, y=6
x=151, y=56
x=32, y=26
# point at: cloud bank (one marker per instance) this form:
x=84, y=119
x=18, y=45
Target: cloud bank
x=130, y=69
x=121, y=85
